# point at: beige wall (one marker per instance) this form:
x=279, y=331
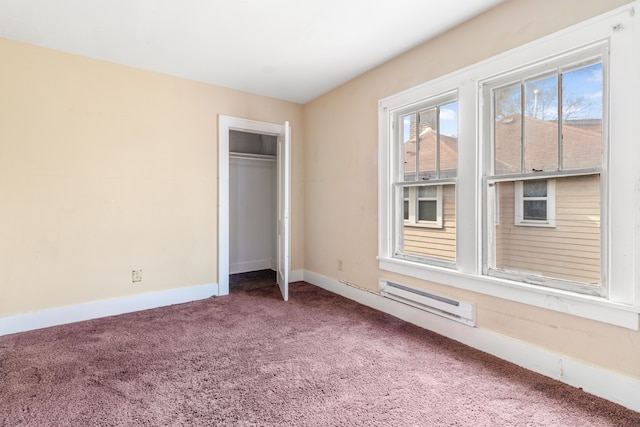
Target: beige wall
x=105, y=169
x=341, y=177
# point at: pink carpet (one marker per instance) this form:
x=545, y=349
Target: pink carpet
x=250, y=359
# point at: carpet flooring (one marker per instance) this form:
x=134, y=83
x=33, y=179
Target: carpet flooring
x=250, y=359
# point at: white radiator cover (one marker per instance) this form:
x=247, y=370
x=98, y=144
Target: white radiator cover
x=460, y=311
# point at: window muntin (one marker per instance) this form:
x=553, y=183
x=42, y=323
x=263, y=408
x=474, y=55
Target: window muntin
x=427, y=147
x=544, y=170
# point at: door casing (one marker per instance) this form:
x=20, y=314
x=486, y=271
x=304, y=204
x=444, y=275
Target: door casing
x=226, y=124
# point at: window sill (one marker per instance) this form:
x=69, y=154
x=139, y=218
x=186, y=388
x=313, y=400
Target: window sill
x=585, y=306
x=546, y=224
x=424, y=224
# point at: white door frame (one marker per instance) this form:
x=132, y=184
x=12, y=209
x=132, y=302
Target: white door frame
x=226, y=124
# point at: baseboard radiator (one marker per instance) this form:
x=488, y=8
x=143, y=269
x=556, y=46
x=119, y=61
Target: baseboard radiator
x=460, y=311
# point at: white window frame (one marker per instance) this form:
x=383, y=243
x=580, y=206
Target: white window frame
x=397, y=181
x=414, y=199
x=589, y=53
x=550, y=198
x=621, y=225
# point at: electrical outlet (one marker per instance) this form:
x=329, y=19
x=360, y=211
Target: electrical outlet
x=340, y=265
x=136, y=276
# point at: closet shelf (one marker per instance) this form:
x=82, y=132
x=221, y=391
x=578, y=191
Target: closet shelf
x=251, y=156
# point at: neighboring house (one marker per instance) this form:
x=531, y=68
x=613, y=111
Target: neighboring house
x=563, y=242
x=553, y=229
x=430, y=214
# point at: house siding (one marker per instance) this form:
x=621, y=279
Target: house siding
x=439, y=243
x=568, y=251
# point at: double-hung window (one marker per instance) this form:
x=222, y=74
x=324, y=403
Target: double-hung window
x=545, y=154
x=426, y=154
x=517, y=177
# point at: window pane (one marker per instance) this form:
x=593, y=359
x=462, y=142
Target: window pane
x=582, y=117
x=569, y=251
x=405, y=209
x=427, y=191
x=534, y=188
x=408, y=138
x=427, y=210
x=541, y=125
x=435, y=241
x=448, y=140
x=534, y=210
x=428, y=136
x=507, y=130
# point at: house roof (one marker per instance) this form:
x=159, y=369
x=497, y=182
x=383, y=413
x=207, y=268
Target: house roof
x=427, y=154
x=581, y=147
x=581, y=144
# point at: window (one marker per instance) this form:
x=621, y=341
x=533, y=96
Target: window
x=535, y=202
x=423, y=206
x=547, y=121
x=427, y=152
x=537, y=178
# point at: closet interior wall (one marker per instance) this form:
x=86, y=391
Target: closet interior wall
x=252, y=202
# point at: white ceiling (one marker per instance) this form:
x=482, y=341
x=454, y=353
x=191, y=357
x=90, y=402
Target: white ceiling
x=288, y=49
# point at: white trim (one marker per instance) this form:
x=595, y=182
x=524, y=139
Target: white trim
x=620, y=389
x=225, y=124
x=296, y=275
x=112, y=307
x=586, y=306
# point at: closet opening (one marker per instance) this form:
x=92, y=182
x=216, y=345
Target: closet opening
x=253, y=219
x=254, y=200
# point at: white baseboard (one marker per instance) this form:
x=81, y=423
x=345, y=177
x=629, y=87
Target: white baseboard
x=609, y=385
x=242, y=267
x=93, y=310
x=296, y=276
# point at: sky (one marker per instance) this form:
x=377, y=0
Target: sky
x=448, y=120
x=582, y=98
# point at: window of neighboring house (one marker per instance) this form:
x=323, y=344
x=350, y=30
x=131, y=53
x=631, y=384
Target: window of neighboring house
x=535, y=203
x=423, y=206
x=548, y=122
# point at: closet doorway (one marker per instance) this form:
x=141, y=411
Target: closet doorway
x=254, y=200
